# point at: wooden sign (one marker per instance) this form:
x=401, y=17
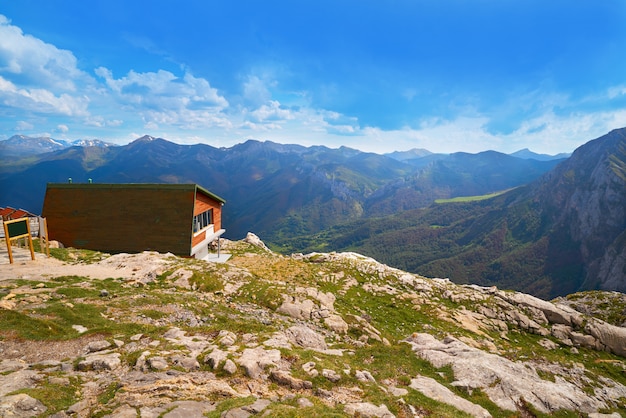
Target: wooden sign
x=16, y=229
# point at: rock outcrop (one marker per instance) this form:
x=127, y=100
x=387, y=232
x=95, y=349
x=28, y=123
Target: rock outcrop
x=331, y=334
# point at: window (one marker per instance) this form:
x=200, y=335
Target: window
x=202, y=220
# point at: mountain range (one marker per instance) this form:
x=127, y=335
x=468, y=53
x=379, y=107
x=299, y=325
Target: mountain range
x=563, y=232
x=24, y=146
x=554, y=227
x=278, y=191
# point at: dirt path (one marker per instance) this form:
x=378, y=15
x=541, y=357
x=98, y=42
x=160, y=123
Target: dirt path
x=43, y=268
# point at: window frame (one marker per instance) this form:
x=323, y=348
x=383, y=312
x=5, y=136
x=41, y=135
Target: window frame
x=202, y=221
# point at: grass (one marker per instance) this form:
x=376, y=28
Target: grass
x=470, y=198
x=55, y=396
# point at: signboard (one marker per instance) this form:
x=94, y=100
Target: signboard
x=16, y=229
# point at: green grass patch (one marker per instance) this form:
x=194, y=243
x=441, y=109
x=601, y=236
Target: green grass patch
x=206, y=281
x=470, y=198
x=74, y=256
x=56, y=397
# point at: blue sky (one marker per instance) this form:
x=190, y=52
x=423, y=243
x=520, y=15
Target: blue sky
x=445, y=75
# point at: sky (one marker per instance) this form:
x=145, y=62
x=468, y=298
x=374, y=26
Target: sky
x=378, y=76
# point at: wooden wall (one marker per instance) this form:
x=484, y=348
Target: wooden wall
x=115, y=219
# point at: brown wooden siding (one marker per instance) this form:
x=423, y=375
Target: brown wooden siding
x=197, y=239
x=117, y=219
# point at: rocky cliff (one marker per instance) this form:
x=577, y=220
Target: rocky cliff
x=337, y=334
x=585, y=198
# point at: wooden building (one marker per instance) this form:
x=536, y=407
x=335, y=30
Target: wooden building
x=179, y=218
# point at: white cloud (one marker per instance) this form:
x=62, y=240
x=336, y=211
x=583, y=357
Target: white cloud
x=23, y=126
x=271, y=112
x=256, y=91
x=35, y=62
x=616, y=92
x=162, y=98
x=41, y=100
x=62, y=128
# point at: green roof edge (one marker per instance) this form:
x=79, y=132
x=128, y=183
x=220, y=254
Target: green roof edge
x=182, y=186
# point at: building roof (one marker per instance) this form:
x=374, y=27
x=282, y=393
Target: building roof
x=154, y=186
x=12, y=213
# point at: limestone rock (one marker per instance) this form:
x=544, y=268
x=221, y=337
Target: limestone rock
x=306, y=337
x=309, y=368
x=9, y=365
x=368, y=410
x=255, y=360
x=284, y=378
x=186, y=409
x=100, y=362
x=258, y=406
x=230, y=367
x=336, y=323
x=94, y=346
x=124, y=411
x=187, y=363
x=505, y=382
x=364, y=376
x=256, y=241
x=21, y=405
x=555, y=314
x=612, y=337
x=304, y=403
x=298, y=309
x=435, y=390
x=278, y=340
x=331, y=375
x=157, y=363
x=226, y=338
x=236, y=413
x=214, y=358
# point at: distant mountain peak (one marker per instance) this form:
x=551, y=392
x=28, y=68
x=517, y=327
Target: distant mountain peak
x=409, y=155
x=527, y=154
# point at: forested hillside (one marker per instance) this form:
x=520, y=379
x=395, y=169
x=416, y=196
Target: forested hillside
x=562, y=233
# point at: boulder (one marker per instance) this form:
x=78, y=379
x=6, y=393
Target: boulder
x=364, y=376
x=331, y=375
x=157, y=363
x=505, y=382
x=230, y=367
x=21, y=405
x=336, y=323
x=94, y=346
x=612, y=337
x=215, y=357
x=226, y=338
x=284, y=378
x=256, y=241
x=305, y=337
x=368, y=410
x=100, y=362
x=298, y=309
x=554, y=314
x=255, y=360
x=435, y=390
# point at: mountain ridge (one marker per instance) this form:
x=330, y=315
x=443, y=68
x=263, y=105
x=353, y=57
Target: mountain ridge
x=562, y=233
x=342, y=183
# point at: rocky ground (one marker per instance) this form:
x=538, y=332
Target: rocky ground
x=152, y=335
